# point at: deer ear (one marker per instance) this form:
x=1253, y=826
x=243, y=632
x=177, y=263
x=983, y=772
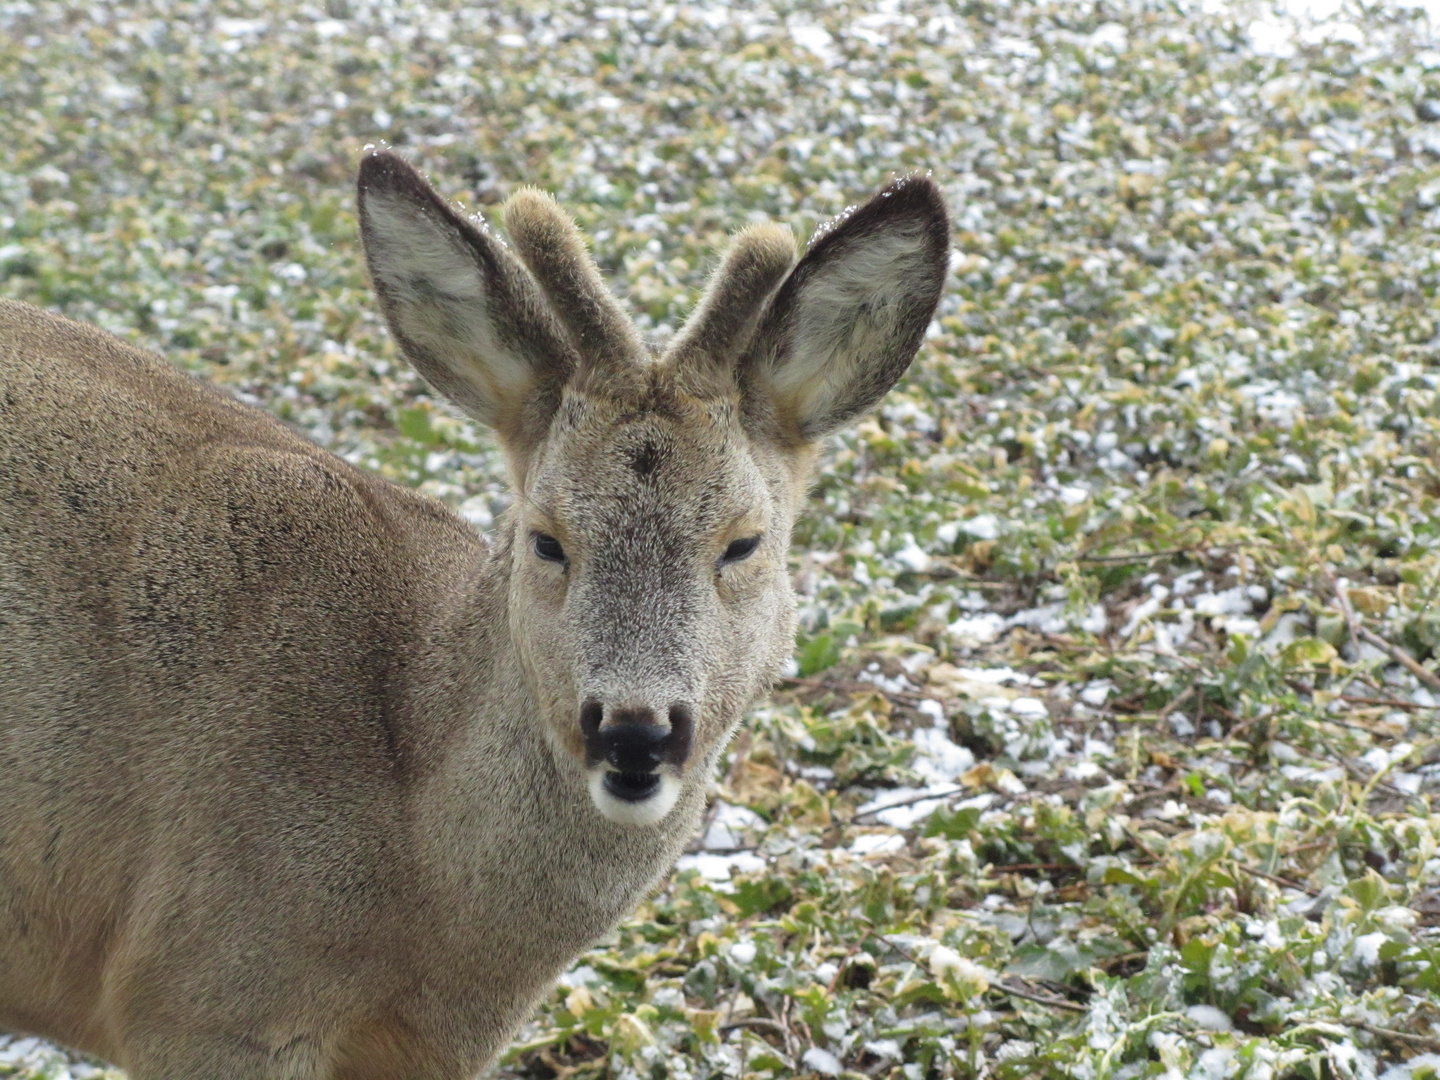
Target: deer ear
x=463, y=309
x=845, y=324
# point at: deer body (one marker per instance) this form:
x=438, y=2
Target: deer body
x=299, y=777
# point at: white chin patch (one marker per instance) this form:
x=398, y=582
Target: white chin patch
x=647, y=811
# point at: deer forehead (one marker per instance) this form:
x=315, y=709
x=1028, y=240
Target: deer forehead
x=685, y=466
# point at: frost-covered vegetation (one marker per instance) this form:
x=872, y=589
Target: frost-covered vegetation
x=1112, y=742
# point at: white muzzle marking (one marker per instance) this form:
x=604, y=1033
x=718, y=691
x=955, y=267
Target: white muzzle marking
x=647, y=811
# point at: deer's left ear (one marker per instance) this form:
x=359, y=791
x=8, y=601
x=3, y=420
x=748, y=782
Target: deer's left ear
x=846, y=323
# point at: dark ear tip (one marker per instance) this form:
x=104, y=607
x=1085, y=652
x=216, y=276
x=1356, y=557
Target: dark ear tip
x=915, y=193
x=381, y=167
x=911, y=196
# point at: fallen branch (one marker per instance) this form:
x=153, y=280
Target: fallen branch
x=910, y=802
x=1137, y=556
x=1278, y=880
x=1403, y=658
x=849, y=955
x=949, y=573
x=763, y=1023
x=1175, y=702
x=1039, y=999
x=1115, y=961
x=1388, y=703
x=563, y=1071
x=1352, y=623
x=856, y=686
x=1427, y=1042
x=878, y=936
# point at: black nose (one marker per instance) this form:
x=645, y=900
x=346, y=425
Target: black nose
x=634, y=745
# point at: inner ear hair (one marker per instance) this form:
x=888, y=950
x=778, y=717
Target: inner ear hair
x=554, y=251
x=462, y=308
x=724, y=321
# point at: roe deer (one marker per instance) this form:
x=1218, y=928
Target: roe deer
x=300, y=779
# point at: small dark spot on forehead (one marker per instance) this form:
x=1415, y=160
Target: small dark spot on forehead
x=647, y=459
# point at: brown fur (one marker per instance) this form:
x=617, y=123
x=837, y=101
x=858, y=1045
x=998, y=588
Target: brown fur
x=554, y=252
x=292, y=784
x=724, y=321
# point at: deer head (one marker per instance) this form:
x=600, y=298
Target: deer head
x=649, y=597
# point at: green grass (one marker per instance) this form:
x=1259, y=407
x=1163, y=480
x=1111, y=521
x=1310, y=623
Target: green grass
x=1179, y=414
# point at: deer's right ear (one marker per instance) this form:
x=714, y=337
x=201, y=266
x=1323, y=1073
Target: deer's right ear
x=463, y=309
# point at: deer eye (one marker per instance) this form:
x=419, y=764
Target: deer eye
x=740, y=549
x=548, y=548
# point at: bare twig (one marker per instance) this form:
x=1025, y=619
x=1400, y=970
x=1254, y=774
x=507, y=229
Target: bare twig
x=1388, y=703
x=1039, y=999
x=849, y=955
x=562, y=1071
x=1278, y=880
x=1329, y=841
x=1175, y=702
x=1428, y=1042
x=910, y=802
x=875, y=932
x=697, y=842
x=1403, y=658
x=1143, y=556
x=1065, y=641
x=856, y=686
x=1345, y=609
x=1135, y=556
x=1307, y=689
x=1123, y=958
x=1238, y=724
x=764, y=1023
x=787, y=1008
x=950, y=573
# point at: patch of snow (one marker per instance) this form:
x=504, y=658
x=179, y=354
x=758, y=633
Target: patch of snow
x=1286, y=629
x=877, y=844
x=821, y=1061
x=1110, y=35
x=937, y=757
x=742, y=952
x=1407, y=783
x=976, y=629
x=911, y=556
x=814, y=39
x=1422, y=1063
x=889, y=1049
x=584, y=975
x=728, y=825
x=719, y=868
x=1048, y=618
x=998, y=676
x=1209, y=1017
x=1230, y=602
x=1095, y=621
x=476, y=510
x=1367, y=948
x=984, y=527
x=1029, y=708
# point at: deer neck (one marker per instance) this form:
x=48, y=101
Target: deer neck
x=504, y=822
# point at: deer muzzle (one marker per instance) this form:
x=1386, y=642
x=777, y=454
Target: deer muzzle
x=628, y=749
